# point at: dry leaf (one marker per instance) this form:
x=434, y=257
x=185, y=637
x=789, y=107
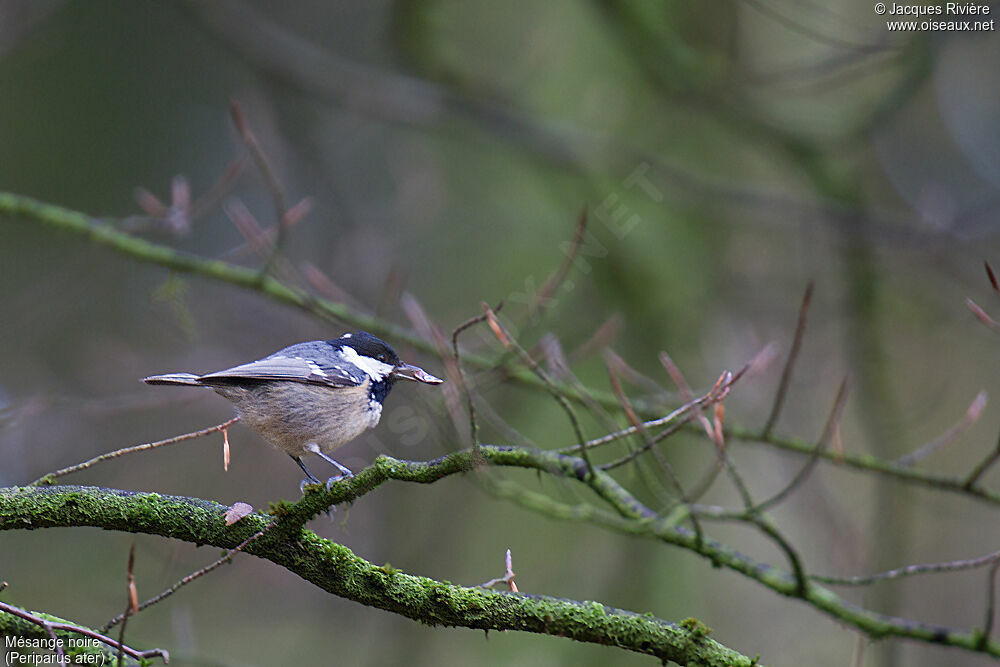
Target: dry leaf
x=237, y=512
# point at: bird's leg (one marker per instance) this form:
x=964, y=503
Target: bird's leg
x=310, y=478
x=344, y=470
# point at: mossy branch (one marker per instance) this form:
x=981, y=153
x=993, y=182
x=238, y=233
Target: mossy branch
x=105, y=234
x=335, y=568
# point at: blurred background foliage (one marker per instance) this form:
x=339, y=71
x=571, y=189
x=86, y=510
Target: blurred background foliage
x=728, y=153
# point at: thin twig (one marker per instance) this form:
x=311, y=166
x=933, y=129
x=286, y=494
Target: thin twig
x=991, y=596
x=249, y=228
x=50, y=477
x=687, y=411
x=559, y=368
x=460, y=372
x=674, y=371
x=992, y=276
x=616, y=388
x=635, y=453
x=549, y=287
x=982, y=315
x=509, y=342
x=828, y=430
x=982, y=467
x=52, y=626
x=646, y=444
x=909, y=570
x=793, y=353
x=507, y=578
x=430, y=332
x=218, y=190
x=131, y=603
x=602, y=337
x=270, y=180
x=716, y=435
x=970, y=417
x=226, y=557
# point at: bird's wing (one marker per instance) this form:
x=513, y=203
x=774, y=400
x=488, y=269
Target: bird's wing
x=290, y=368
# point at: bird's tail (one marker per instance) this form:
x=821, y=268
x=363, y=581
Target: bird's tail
x=174, y=378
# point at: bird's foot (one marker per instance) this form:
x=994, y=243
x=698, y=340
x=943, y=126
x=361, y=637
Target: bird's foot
x=337, y=478
x=307, y=482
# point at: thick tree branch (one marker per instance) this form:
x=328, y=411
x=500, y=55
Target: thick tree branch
x=336, y=569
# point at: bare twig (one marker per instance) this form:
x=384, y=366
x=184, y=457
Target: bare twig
x=549, y=287
x=218, y=190
x=249, y=228
x=460, y=372
x=52, y=626
x=270, y=180
x=392, y=290
x=828, y=431
x=991, y=596
x=602, y=337
x=793, y=353
x=430, y=332
x=970, y=417
x=509, y=342
x=225, y=558
x=982, y=467
x=718, y=392
x=507, y=578
x=714, y=432
x=131, y=603
x=992, y=276
x=981, y=314
x=52, y=476
x=633, y=376
x=649, y=443
x=909, y=570
x=684, y=414
x=559, y=368
x=682, y=386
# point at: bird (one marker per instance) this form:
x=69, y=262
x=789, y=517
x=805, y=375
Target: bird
x=311, y=397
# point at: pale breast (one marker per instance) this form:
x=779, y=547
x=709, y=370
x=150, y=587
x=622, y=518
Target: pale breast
x=291, y=415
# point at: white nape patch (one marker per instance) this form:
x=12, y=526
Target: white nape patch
x=376, y=369
x=347, y=335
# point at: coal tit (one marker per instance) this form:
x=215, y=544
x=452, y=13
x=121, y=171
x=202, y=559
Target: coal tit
x=311, y=397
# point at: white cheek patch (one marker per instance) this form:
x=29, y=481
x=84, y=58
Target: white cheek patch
x=375, y=410
x=376, y=369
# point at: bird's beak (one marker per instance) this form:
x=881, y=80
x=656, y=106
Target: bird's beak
x=408, y=372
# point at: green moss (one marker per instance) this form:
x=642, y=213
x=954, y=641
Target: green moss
x=280, y=508
x=697, y=629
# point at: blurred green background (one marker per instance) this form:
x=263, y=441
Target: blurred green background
x=728, y=153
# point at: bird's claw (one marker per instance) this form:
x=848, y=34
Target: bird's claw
x=337, y=478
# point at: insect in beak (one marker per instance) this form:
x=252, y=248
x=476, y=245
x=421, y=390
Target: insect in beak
x=415, y=373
